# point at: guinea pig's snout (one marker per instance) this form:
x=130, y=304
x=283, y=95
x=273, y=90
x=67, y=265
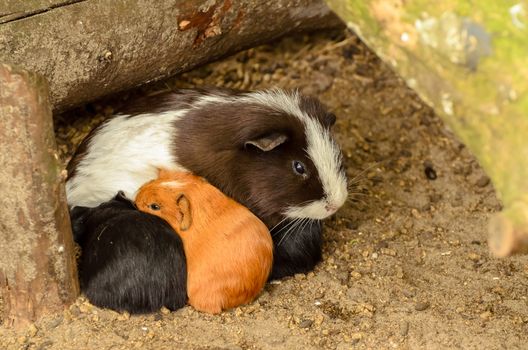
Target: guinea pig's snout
x=330, y=208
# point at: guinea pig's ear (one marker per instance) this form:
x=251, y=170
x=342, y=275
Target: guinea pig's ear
x=268, y=142
x=184, y=208
x=121, y=196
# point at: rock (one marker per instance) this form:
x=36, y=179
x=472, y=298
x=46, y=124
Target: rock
x=486, y=315
x=56, y=322
x=306, y=323
x=421, y=306
x=404, y=328
x=32, y=330
x=388, y=251
x=474, y=257
x=124, y=316
x=483, y=181
x=74, y=309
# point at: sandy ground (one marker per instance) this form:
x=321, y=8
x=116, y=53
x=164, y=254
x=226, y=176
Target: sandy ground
x=406, y=262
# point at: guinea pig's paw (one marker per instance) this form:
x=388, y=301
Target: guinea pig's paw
x=207, y=305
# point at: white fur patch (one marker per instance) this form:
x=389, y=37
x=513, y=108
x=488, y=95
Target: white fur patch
x=172, y=184
x=123, y=155
x=322, y=150
x=207, y=99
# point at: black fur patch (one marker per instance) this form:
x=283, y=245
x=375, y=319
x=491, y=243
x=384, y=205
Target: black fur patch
x=131, y=261
x=298, y=252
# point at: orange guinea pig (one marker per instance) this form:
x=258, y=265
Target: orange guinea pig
x=229, y=250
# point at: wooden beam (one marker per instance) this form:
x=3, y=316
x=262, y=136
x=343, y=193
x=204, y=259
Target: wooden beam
x=91, y=48
x=12, y=10
x=37, y=264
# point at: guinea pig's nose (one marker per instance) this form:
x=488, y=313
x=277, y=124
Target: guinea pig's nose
x=330, y=208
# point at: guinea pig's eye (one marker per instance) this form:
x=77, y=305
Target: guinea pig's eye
x=154, y=206
x=299, y=168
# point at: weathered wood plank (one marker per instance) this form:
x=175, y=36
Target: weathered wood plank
x=11, y=10
x=37, y=264
x=96, y=47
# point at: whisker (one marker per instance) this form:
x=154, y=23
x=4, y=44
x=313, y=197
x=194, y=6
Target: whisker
x=308, y=221
x=280, y=222
x=356, y=193
x=291, y=229
x=284, y=227
x=351, y=181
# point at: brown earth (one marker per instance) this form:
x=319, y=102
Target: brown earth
x=406, y=262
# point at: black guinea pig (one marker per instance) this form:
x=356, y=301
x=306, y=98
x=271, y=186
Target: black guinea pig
x=272, y=151
x=130, y=260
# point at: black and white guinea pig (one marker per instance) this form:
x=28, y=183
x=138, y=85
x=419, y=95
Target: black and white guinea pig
x=272, y=151
x=130, y=260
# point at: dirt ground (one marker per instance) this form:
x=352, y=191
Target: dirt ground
x=406, y=263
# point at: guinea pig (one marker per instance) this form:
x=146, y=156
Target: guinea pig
x=130, y=260
x=271, y=151
x=229, y=250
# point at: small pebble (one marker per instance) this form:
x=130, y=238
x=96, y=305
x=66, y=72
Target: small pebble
x=165, y=311
x=421, y=306
x=486, y=315
x=32, y=330
x=74, y=309
x=430, y=173
x=183, y=24
x=124, y=316
x=388, y=251
x=404, y=328
x=305, y=323
x=299, y=276
x=474, y=257
x=483, y=181
x=382, y=244
x=357, y=336
x=85, y=308
x=408, y=293
x=318, y=320
x=55, y=322
x=355, y=275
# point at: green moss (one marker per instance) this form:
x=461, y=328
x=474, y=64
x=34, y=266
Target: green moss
x=490, y=103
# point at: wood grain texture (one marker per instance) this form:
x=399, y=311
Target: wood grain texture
x=37, y=264
x=97, y=47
